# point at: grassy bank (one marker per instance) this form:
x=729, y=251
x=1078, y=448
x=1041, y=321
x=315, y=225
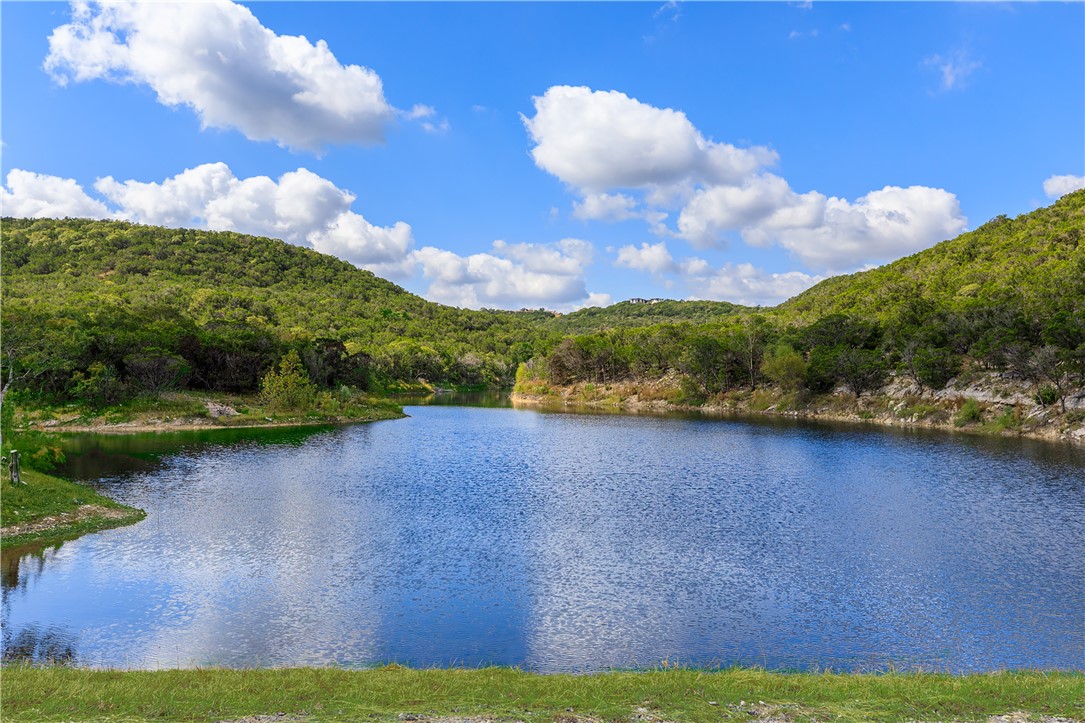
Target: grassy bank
x=48, y=508
x=328, y=694
x=196, y=410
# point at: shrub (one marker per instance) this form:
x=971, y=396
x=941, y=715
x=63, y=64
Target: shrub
x=1046, y=395
x=287, y=388
x=970, y=413
x=99, y=386
x=784, y=366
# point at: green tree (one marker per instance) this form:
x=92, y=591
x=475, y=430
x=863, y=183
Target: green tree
x=287, y=388
x=784, y=366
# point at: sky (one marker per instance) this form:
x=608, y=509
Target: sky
x=555, y=155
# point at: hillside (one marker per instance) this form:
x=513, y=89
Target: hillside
x=631, y=314
x=997, y=315
x=100, y=310
x=77, y=292
x=1037, y=258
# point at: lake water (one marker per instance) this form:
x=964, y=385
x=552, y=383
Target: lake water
x=567, y=542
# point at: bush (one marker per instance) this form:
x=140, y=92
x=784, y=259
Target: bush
x=970, y=413
x=784, y=366
x=287, y=388
x=1046, y=395
x=156, y=370
x=99, y=386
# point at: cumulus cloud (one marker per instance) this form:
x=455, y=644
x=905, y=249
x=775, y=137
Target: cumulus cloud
x=300, y=207
x=617, y=207
x=748, y=285
x=1059, y=186
x=716, y=209
x=597, y=140
x=512, y=276
x=35, y=195
x=630, y=160
x=217, y=59
x=654, y=258
x=825, y=233
x=737, y=283
x=606, y=207
x=836, y=235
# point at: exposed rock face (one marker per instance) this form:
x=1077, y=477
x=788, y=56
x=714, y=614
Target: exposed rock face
x=1005, y=404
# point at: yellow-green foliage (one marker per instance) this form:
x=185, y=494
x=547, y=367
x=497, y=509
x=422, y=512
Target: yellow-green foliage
x=784, y=366
x=288, y=388
x=970, y=413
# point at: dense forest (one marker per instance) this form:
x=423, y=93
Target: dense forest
x=99, y=311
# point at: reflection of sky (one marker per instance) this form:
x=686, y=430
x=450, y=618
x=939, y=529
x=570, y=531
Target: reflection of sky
x=568, y=542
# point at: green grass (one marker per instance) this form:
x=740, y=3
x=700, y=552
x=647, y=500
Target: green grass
x=44, y=495
x=330, y=694
x=190, y=407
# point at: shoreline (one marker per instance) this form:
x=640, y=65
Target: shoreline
x=149, y=427
x=50, y=509
x=897, y=407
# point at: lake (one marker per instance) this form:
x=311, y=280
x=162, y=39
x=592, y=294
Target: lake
x=566, y=542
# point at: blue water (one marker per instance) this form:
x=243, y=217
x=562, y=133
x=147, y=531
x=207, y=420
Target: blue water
x=566, y=542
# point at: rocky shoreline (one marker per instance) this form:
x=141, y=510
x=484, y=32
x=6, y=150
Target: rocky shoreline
x=991, y=404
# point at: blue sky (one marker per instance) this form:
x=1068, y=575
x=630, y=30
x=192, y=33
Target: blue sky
x=551, y=154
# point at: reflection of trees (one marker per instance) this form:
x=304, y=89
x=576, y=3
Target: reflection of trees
x=53, y=646
x=12, y=563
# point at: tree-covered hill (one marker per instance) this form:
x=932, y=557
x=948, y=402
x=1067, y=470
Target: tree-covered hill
x=1007, y=297
x=641, y=313
x=225, y=306
x=97, y=310
x=1036, y=259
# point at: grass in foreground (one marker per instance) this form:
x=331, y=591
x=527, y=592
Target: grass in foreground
x=44, y=496
x=330, y=694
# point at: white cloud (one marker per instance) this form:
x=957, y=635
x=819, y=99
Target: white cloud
x=630, y=160
x=717, y=209
x=955, y=68
x=383, y=250
x=737, y=283
x=597, y=140
x=217, y=59
x=653, y=258
x=747, y=284
x=824, y=233
x=35, y=195
x=513, y=276
x=1059, y=186
x=300, y=207
x=440, y=126
x=838, y=235
x=420, y=111
x=606, y=207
